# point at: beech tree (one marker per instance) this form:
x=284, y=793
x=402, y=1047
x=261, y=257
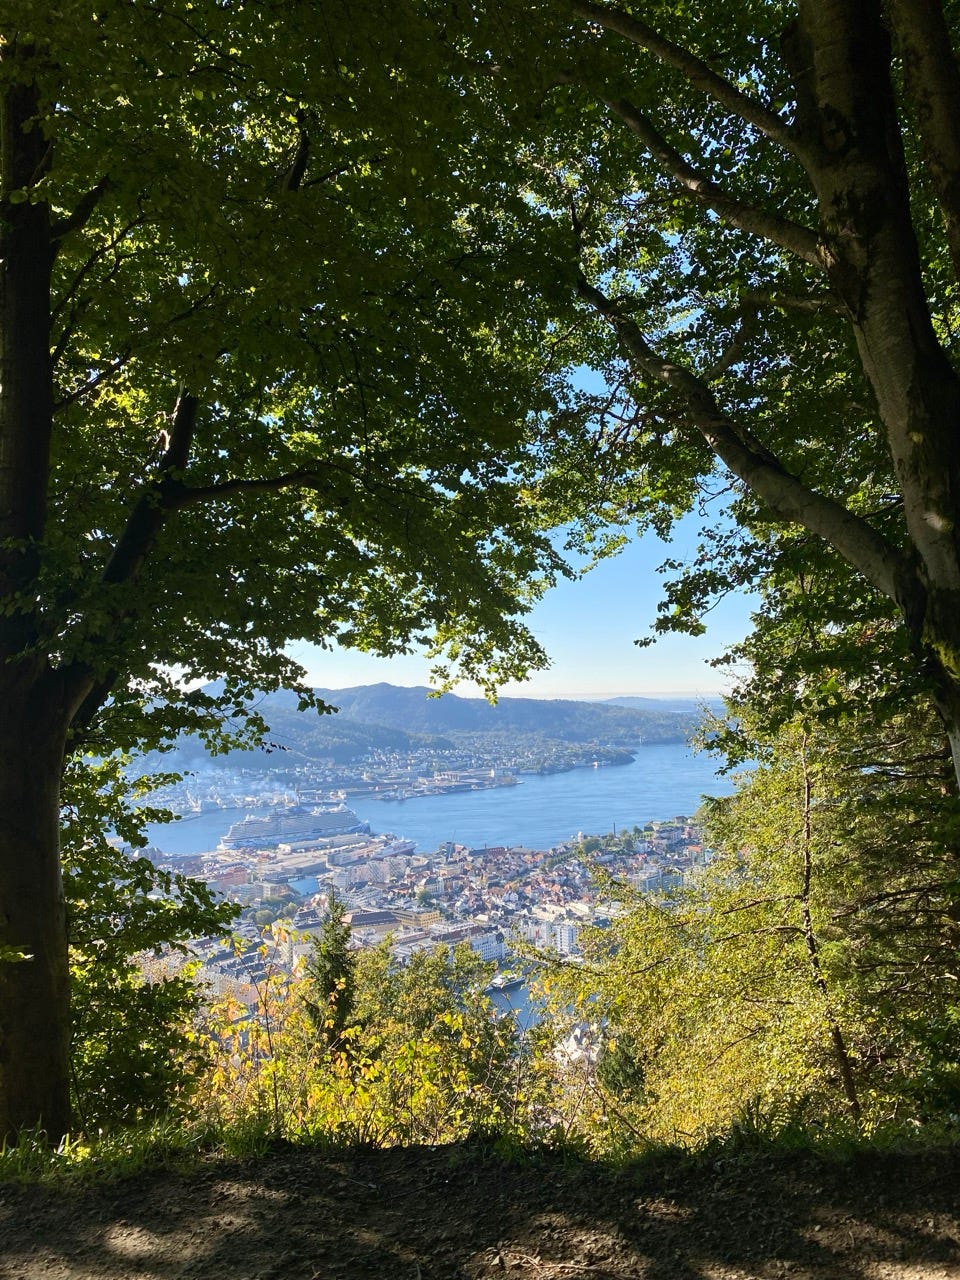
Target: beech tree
x=264, y=376
x=805, y=976
x=286, y=296
x=762, y=204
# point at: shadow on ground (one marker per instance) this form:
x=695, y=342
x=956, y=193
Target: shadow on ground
x=463, y=1212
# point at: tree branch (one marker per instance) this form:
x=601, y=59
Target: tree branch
x=698, y=72
x=735, y=351
x=90, y=384
x=180, y=496
x=147, y=516
x=298, y=166
x=89, y=688
x=808, y=304
x=868, y=551
x=126, y=352
x=81, y=214
x=933, y=84
x=180, y=438
x=112, y=244
x=750, y=305
x=792, y=236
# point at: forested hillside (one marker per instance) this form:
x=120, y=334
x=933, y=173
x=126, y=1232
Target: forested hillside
x=306, y=736
x=415, y=710
x=392, y=719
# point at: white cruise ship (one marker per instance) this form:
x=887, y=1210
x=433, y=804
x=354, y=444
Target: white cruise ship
x=296, y=823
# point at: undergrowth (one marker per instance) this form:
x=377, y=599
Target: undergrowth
x=175, y=1144
x=361, y=1055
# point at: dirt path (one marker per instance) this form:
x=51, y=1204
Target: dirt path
x=465, y=1214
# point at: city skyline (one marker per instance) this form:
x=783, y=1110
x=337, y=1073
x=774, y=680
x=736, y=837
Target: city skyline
x=588, y=627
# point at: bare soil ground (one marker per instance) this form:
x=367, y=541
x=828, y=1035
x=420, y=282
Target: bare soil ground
x=465, y=1213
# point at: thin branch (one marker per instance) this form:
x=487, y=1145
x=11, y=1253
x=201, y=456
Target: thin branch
x=786, y=495
x=179, y=496
x=698, y=72
x=328, y=176
x=768, y=930
x=91, y=384
x=120, y=361
x=812, y=943
x=200, y=301
x=756, y=902
x=751, y=303
x=91, y=262
x=732, y=1044
x=734, y=353
x=81, y=214
x=792, y=236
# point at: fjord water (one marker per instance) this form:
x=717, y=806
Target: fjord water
x=665, y=780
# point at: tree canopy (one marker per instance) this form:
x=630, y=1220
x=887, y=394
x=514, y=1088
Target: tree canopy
x=291, y=303
x=268, y=326
x=263, y=377
x=759, y=207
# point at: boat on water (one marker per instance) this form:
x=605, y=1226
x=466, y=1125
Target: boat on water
x=507, y=981
x=292, y=823
x=398, y=848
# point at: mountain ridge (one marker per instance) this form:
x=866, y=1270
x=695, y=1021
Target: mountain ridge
x=417, y=709
x=398, y=718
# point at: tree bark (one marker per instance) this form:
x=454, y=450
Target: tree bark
x=26, y=381
x=34, y=717
x=858, y=170
x=34, y=992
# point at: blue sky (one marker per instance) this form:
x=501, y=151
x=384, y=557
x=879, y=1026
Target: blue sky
x=588, y=627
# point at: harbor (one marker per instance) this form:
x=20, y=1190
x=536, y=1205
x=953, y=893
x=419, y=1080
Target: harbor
x=664, y=779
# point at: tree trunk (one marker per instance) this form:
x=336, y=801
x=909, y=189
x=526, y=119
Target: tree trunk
x=34, y=992
x=838, y=1042
x=849, y=114
x=34, y=716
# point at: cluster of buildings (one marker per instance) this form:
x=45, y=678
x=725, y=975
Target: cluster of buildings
x=287, y=864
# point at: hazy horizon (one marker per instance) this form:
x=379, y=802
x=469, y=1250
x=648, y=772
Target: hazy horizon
x=518, y=691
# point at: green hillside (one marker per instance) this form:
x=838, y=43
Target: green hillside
x=415, y=710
